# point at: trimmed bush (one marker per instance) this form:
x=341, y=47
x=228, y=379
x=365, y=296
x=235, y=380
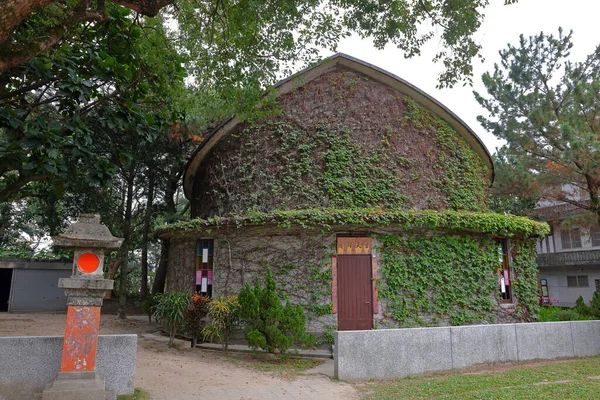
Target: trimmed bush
x=269, y=325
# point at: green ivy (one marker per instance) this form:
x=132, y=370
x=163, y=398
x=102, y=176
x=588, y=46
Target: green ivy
x=404, y=220
x=318, y=286
x=427, y=280
x=525, y=284
x=462, y=172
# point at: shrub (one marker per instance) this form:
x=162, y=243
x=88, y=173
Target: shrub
x=269, y=325
x=224, y=314
x=170, y=311
x=581, y=308
x=197, y=310
x=595, y=305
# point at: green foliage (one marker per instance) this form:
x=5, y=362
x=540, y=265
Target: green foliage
x=463, y=174
x=525, y=284
x=195, y=313
x=96, y=80
x=269, y=325
x=170, y=311
x=224, y=313
x=512, y=191
x=581, y=308
x=544, y=105
x=408, y=220
x=556, y=314
x=425, y=280
x=595, y=305
x=25, y=253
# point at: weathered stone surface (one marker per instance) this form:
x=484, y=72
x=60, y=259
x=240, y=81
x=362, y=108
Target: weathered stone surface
x=586, y=338
x=76, y=386
x=29, y=363
x=396, y=353
x=477, y=344
x=392, y=353
x=85, y=291
x=87, y=232
x=544, y=340
x=300, y=263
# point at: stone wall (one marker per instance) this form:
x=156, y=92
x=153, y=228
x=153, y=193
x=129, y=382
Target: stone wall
x=181, y=273
x=300, y=261
x=397, y=353
x=29, y=363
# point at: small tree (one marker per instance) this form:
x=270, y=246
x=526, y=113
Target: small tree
x=270, y=325
x=224, y=314
x=595, y=305
x=197, y=310
x=581, y=308
x=170, y=311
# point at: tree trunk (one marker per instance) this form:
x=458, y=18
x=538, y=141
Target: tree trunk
x=160, y=277
x=125, y=246
x=145, y=234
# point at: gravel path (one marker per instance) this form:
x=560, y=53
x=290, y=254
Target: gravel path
x=184, y=373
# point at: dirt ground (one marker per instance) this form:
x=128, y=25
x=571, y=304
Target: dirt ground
x=184, y=373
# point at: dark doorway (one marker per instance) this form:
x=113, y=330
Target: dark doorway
x=354, y=292
x=5, y=282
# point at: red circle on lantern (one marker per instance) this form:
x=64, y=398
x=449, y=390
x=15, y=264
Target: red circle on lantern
x=88, y=262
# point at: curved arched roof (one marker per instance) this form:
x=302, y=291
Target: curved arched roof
x=345, y=61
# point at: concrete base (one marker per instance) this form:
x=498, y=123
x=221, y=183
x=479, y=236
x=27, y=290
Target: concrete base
x=77, y=386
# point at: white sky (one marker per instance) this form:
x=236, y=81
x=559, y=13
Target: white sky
x=502, y=25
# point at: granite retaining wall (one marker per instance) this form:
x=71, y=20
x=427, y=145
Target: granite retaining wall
x=29, y=363
x=397, y=353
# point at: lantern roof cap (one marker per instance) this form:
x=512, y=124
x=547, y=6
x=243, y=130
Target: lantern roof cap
x=87, y=232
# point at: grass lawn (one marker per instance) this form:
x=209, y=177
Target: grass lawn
x=577, y=379
x=138, y=394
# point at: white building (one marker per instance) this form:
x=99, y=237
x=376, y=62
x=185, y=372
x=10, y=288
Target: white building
x=569, y=258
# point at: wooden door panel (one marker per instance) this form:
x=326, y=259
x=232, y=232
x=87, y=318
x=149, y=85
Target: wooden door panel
x=354, y=290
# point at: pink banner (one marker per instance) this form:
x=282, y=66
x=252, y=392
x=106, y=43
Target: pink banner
x=198, y=277
x=506, y=278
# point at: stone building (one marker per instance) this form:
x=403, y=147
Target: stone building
x=366, y=197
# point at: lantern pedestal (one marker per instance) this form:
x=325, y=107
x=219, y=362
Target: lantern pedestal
x=77, y=379
x=85, y=290
x=77, y=386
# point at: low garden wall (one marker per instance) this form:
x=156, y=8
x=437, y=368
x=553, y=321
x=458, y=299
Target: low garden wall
x=29, y=363
x=397, y=353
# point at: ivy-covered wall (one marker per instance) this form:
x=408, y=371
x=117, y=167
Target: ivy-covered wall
x=341, y=141
x=300, y=262
x=423, y=280
x=452, y=280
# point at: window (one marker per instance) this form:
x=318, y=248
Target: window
x=577, y=281
x=504, y=272
x=544, y=294
x=570, y=239
x=596, y=237
x=204, y=267
x=597, y=281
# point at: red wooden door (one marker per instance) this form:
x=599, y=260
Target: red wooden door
x=354, y=291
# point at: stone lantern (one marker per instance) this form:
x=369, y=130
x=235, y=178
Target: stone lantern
x=85, y=289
